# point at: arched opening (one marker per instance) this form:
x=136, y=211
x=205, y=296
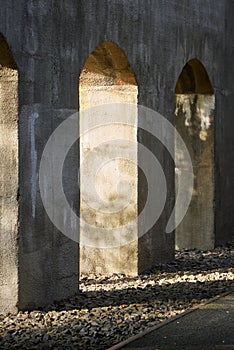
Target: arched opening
x=8, y=178
x=194, y=120
x=106, y=78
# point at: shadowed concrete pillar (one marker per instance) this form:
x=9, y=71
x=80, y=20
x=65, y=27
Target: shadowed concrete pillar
x=38, y=264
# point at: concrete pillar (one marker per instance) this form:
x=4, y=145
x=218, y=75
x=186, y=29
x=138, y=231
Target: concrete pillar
x=8, y=180
x=106, y=79
x=38, y=264
x=194, y=120
x=109, y=177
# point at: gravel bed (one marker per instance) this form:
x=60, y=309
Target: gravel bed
x=111, y=308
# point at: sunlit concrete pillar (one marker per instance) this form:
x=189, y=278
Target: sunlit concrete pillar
x=194, y=120
x=8, y=180
x=107, y=78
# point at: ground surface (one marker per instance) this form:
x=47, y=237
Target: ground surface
x=112, y=308
x=208, y=328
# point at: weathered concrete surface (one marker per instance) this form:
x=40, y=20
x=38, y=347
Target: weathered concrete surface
x=195, y=123
x=209, y=327
x=8, y=179
x=107, y=78
x=50, y=42
x=224, y=150
x=48, y=260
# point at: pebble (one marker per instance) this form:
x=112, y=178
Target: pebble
x=111, y=308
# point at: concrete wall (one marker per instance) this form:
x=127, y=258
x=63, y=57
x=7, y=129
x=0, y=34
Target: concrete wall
x=224, y=150
x=48, y=71
x=50, y=42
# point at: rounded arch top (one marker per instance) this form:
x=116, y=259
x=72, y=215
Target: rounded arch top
x=194, y=79
x=6, y=57
x=107, y=65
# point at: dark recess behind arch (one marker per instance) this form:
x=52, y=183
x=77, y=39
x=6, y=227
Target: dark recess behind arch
x=194, y=79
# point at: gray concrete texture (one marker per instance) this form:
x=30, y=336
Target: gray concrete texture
x=50, y=42
x=8, y=177
x=107, y=78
